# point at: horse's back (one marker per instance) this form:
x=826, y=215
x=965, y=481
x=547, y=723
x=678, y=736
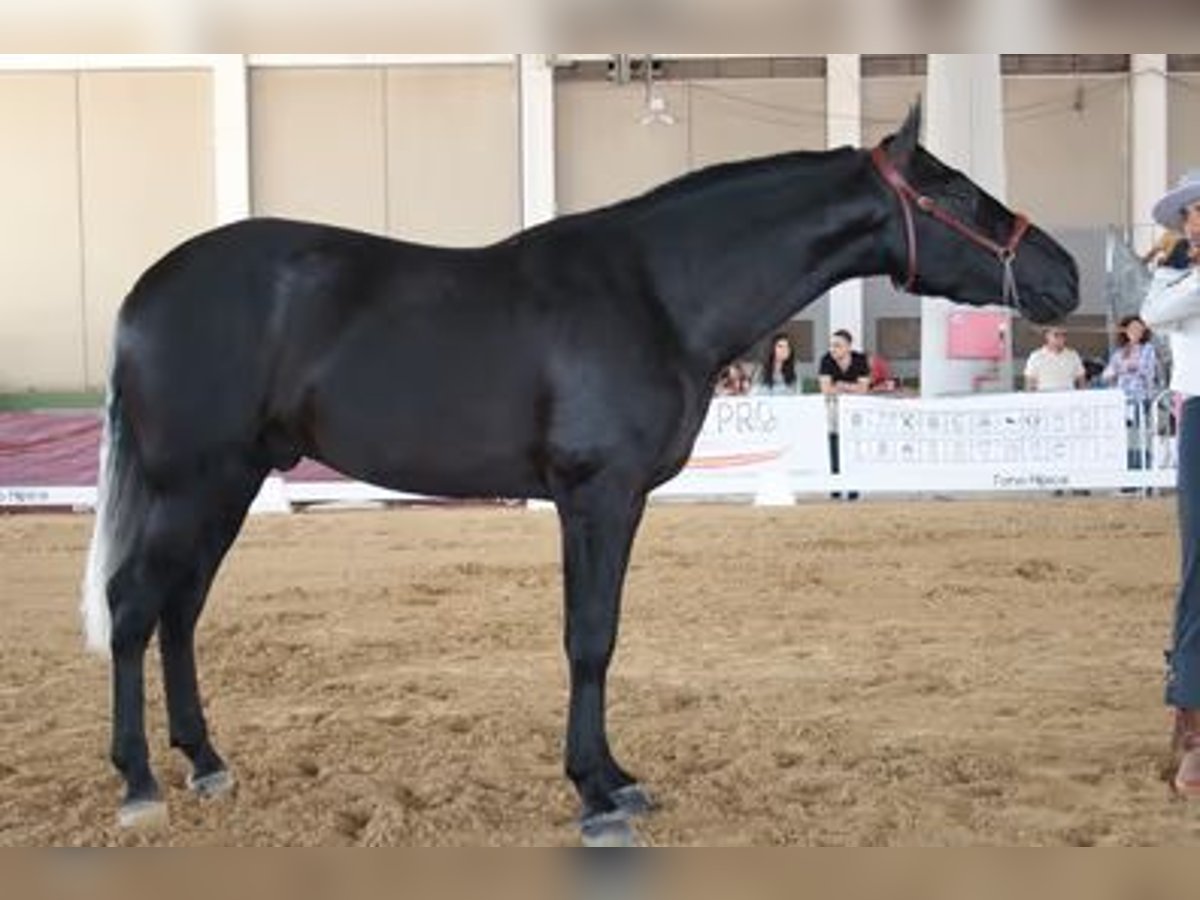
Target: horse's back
x=244, y=253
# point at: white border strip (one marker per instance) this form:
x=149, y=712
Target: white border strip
x=348, y=491
x=47, y=496
x=907, y=483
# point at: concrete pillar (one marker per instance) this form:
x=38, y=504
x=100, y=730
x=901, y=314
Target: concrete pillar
x=964, y=127
x=843, y=126
x=231, y=137
x=1148, y=144
x=536, y=86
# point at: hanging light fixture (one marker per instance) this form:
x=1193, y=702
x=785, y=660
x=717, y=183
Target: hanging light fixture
x=656, y=111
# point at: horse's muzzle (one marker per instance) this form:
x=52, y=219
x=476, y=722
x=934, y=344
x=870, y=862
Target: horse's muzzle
x=1050, y=298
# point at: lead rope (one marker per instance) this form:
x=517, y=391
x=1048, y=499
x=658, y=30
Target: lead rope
x=1012, y=295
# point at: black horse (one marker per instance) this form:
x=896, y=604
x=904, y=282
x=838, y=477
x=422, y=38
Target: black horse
x=594, y=343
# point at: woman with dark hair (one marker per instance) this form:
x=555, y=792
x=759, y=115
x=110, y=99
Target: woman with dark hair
x=778, y=372
x=1133, y=367
x=733, y=381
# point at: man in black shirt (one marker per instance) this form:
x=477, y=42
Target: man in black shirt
x=843, y=370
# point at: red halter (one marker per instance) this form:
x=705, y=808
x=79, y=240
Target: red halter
x=908, y=195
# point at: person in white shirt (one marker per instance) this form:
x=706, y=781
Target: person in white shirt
x=1054, y=366
x=1172, y=305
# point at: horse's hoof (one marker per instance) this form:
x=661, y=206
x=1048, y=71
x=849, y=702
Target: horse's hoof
x=143, y=815
x=632, y=800
x=215, y=784
x=611, y=829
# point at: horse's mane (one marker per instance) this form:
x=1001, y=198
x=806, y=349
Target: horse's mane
x=721, y=174
x=699, y=183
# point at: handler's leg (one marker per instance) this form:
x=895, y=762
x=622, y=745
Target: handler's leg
x=1183, y=678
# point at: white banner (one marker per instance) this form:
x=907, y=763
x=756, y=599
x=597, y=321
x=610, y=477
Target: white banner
x=1029, y=441
x=759, y=445
x=772, y=448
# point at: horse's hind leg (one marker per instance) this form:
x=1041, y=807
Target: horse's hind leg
x=158, y=566
x=188, y=729
x=184, y=535
x=221, y=513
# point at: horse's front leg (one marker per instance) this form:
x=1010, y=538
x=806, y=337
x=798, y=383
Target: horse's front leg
x=599, y=521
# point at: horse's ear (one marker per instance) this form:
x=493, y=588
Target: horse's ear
x=904, y=144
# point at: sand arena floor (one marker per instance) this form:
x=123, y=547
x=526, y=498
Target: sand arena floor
x=879, y=673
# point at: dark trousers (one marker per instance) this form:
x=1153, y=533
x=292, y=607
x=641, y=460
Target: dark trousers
x=1137, y=416
x=1183, y=679
x=835, y=467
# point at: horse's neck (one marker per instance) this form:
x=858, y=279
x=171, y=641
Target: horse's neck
x=744, y=261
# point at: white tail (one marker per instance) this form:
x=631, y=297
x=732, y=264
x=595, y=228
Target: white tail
x=97, y=624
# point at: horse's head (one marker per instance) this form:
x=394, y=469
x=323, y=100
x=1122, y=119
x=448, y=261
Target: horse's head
x=957, y=241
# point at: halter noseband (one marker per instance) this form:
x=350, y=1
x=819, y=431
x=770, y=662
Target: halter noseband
x=908, y=195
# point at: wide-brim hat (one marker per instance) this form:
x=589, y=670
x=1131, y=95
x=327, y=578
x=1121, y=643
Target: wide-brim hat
x=1168, y=212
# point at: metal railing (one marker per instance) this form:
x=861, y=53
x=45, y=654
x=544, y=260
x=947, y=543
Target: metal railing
x=1159, y=434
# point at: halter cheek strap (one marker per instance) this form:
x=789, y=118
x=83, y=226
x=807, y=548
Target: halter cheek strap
x=908, y=196
x=903, y=190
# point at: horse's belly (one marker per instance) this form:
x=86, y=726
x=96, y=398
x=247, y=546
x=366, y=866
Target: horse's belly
x=427, y=457
x=512, y=482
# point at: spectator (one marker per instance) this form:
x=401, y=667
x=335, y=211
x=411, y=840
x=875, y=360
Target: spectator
x=1093, y=372
x=778, y=372
x=733, y=381
x=882, y=381
x=843, y=370
x=1133, y=367
x=1054, y=366
x=1173, y=305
